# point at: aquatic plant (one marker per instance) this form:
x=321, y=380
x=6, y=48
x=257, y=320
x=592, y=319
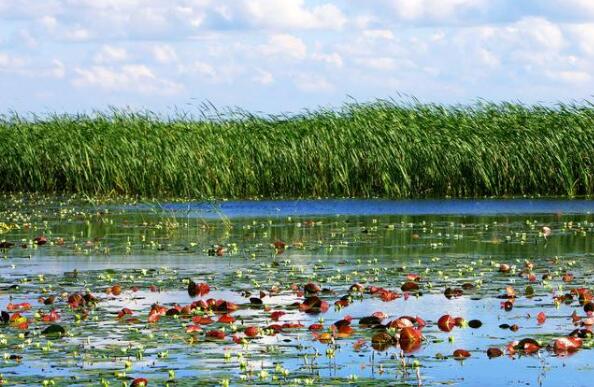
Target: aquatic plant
x=384, y=149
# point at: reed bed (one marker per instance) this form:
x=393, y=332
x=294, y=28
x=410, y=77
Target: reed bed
x=379, y=149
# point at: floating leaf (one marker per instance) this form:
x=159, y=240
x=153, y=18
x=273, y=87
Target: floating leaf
x=54, y=331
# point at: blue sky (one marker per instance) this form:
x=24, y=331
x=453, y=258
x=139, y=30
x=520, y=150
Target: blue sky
x=288, y=55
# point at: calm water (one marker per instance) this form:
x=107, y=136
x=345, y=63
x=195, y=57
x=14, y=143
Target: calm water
x=447, y=243
x=355, y=207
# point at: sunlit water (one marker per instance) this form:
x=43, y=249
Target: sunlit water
x=333, y=243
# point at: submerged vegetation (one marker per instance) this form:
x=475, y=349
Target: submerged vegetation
x=383, y=149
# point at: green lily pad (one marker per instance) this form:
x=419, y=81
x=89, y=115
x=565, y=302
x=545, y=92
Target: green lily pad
x=54, y=331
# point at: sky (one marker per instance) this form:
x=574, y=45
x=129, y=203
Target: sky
x=275, y=56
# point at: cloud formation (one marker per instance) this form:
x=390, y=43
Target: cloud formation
x=279, y=55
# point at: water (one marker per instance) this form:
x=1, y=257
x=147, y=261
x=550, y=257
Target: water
x=447, y=243
x=356, y=207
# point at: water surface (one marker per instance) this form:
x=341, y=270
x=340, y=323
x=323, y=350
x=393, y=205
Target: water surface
x=152, y=251
x=366, y=207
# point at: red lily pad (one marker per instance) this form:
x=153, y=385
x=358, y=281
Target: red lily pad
x=410, y=339
x=528, y=346
x=226, y=319
x=461, y=354
x=193, y=329
x=215, y=335
x=251, y=331
x=276, y=315
x=381, y=341
x=566, y=345
x=409, y=286
x=314, y=304
x=139, y=382
x=446, y=323
x=316, y=327
x=311, y=288
x=40, y=240
x=494, y=352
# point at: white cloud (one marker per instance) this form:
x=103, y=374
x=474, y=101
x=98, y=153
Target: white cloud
x=363, y=20
x=290, y=14
x=9, y=62
x=378, y=63
x=537, y=32
x=579, y=8
x=81, y=20
x=378, y=34
x=578, y=77
x=200, y=68
x=24, y=67
x=164, y=53
x=225, y=73
x=284, y=45
x=19, y=9
x=110, y=54
x=583, y=37
x=48, y=22
x=263, y=77
x=332, y=58
x=438, y=36
x=223, y=11
x=530, y=43
x=313, y=83
x=105, y=4
x=109, y=20
x=488, y=58
x=434, y=9
x=28, y=39
x=130, y=77
x=58, y=70
x=77, y=34
x=317, y=49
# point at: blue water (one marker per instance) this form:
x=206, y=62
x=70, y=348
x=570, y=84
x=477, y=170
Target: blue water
x=359, y=207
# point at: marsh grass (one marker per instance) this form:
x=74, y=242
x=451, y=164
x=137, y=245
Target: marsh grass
x=382, y=149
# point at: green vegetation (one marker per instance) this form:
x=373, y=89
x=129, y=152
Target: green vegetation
x=382, y=149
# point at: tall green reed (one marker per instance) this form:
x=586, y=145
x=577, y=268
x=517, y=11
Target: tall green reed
x=383, y=149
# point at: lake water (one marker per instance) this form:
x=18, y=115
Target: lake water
x=355, y=207
x=152, y=250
